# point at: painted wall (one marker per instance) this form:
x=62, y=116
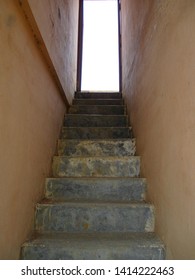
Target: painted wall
x=55, y=25
x=31, y=114
x=159, y=86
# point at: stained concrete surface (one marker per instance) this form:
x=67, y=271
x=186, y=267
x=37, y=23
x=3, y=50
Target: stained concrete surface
x=109, y=147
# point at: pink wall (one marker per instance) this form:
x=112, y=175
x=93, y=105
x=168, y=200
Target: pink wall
x=158, y=83
x=57, y=22
x=31, y=115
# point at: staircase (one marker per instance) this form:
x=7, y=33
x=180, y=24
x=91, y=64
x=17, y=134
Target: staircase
x=94, y=207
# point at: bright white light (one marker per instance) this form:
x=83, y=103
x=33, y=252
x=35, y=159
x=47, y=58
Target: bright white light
x=100, y=66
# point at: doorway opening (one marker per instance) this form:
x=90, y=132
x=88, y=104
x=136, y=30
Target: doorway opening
x=99, y=67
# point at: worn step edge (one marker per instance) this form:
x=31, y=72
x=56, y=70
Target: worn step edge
x=103, y=246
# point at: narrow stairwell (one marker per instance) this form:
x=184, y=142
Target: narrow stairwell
x=94, y=206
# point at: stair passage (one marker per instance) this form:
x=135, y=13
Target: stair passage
x=94, y=206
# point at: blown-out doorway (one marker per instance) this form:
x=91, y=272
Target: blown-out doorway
x=99, y=55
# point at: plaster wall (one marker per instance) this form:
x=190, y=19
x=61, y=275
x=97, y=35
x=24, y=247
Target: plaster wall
x=31, y=114
x=158, y=83
x=57, y=23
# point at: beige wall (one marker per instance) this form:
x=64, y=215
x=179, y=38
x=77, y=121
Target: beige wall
x=55, y=25
x=31, y=114
x=159, y=86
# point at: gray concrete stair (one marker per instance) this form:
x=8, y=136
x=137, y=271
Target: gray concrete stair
x=109, y=147
x=94, y=217
x=95, y=189
x=94, y=205
x=98, y=101
x=96, y=166
x=94, y=246
x=98, y=110
x=96, y=132
x=85, y=120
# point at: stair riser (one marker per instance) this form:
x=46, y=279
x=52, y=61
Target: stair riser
x=94, y=218
x=96, y=133
x=96, y=167
x=96, y=148
x=98, y=110
x=94, y=189
x=95, y=121
x=95, y=95
x=97, y=102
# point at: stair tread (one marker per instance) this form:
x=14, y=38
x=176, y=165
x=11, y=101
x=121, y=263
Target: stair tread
x=91, y=246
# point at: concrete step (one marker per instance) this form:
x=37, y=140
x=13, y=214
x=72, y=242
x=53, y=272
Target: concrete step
x=98, y=95
x=112, y=147
x=92, y=246
x=96, y=132
x=82, y=120
x=98, y=102
x=96, y=166
x=94, y=217
x=102, y=189
x=98, y=110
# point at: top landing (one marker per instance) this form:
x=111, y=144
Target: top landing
x=98, y=95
